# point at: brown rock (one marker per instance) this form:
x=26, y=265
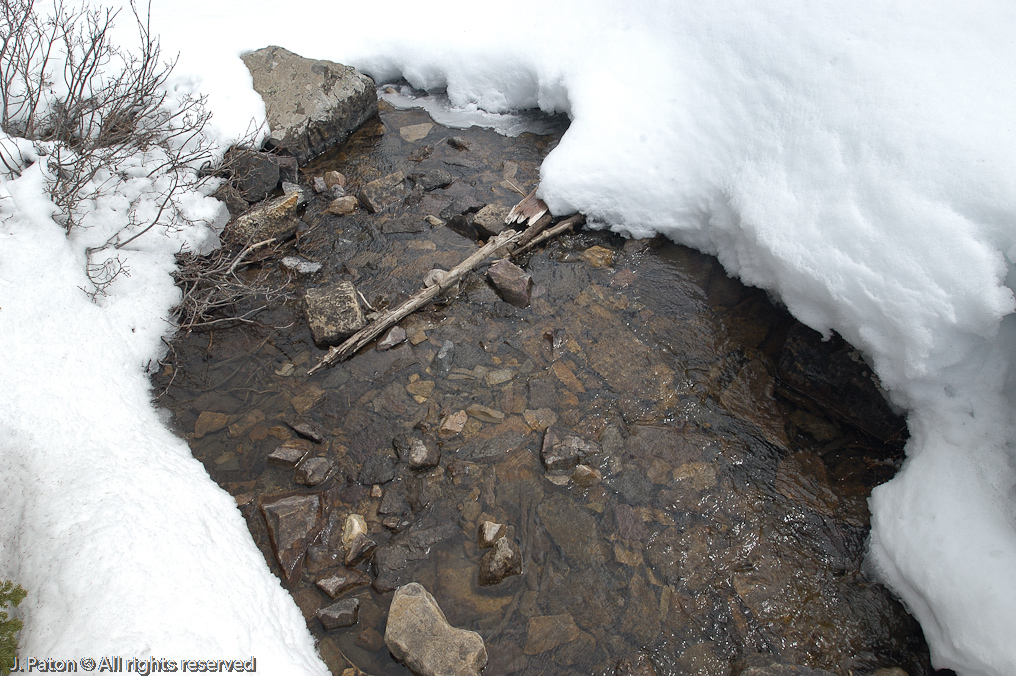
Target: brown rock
x=383, y=192
x=418, y=635
x=314, y=471
x=292, y=523
x=208, y=422
x=548, y=632
x=290, y=453
x=502, y=560
x=333, y=313
x=343, y=206
x=274, y=219
x=513, y=284
x=340, y=614
x=335, y=585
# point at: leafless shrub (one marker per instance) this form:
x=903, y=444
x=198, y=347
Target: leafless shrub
x=228, y=286
x=92, y=110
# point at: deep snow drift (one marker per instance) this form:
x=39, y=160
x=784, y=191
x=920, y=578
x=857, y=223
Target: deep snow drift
x=859, y=161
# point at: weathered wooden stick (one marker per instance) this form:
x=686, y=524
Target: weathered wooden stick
x=416, y=301
x=571, y=221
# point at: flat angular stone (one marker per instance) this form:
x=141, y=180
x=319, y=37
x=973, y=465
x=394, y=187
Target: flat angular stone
x=586, y=476
x=383, y=192
x=341, y=614
x=334, y=178
x=396, y=335
x=453, y=424
x=512, y=282
x=208, y=422
x=378, y=469
x=354, y=525
x=333, y=313
x=292, y=524
x=290, y=453
x=598, y=257
x=489, y=221
x=299, y=265
x=490, y=532
x=418, y=634
x=314, y=471
x=335, y=585
x=274, y=219
x=415, y=132
x=548, y=632
x=312, y=105
x=307, y=429
x=485, y=413
x=432, y=180
x=254, y=174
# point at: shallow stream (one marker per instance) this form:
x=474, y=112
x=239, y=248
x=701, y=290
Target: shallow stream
x=736, y=449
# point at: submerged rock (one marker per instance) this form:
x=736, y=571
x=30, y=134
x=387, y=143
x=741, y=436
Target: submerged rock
x=292, y=524
x=335, y=585
x=503, y=560
x=383, y=192
x=312, y=105
x=314, y=471
x=419, y=635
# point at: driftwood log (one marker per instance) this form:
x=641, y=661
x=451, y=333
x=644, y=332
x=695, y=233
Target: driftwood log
x=391, y=317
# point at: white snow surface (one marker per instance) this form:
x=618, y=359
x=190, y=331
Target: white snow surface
x=858, y=160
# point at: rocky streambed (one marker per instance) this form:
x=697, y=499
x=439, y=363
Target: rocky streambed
x=678, y=469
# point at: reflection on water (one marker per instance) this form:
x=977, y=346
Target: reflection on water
x=729, y=516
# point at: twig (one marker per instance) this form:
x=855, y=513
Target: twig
x=419, y=299
x=252, y=247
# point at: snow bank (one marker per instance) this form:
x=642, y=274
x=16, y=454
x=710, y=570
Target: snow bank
x=855, y=159
x=125, y=545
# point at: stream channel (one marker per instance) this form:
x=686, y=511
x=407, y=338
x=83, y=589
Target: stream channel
x=737, y=450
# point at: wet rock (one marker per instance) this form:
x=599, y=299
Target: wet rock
x=460, y=206
x=274, y=219
x=458, y=143
x=637, y=666
x=413, y=544
x=354, y=525
x=560, y=452
x=462, y=225
x=292, y=524
x=255, y=175
x=314, y=471
x=289, y=171
x=512, y=282
x=370, y=639
x=629, y=523
x=340, y=614
x=539, y=419
x=333, y=313
x=418, y=635
x=290, y=453
x=307, y=429
x=335, y=585
x=312, y=105
x=503, y=560
x=702, y=659
x=246, y=423
x=423, y=455
x=395, y=336
x=378, y=468
x=598, y=257
x=489, y=532
x=585, y=476
x=574, y=530
x=421, y=153
x=393, y=502
x=359, y=549
x=485, y=414
x=333, y=179
x=432, y=180
x=415, y=132
x=442, y=363
x=300, y=265
x=453, y=424
x=489, y=221
x=343, y=206
x=383, y=192
x=232, y=198
x=208, y=422
x=548, y=632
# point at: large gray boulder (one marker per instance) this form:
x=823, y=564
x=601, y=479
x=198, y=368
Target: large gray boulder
x=419, y=636
x=312, y=105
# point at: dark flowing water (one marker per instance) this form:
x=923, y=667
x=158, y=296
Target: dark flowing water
x=736, y=450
